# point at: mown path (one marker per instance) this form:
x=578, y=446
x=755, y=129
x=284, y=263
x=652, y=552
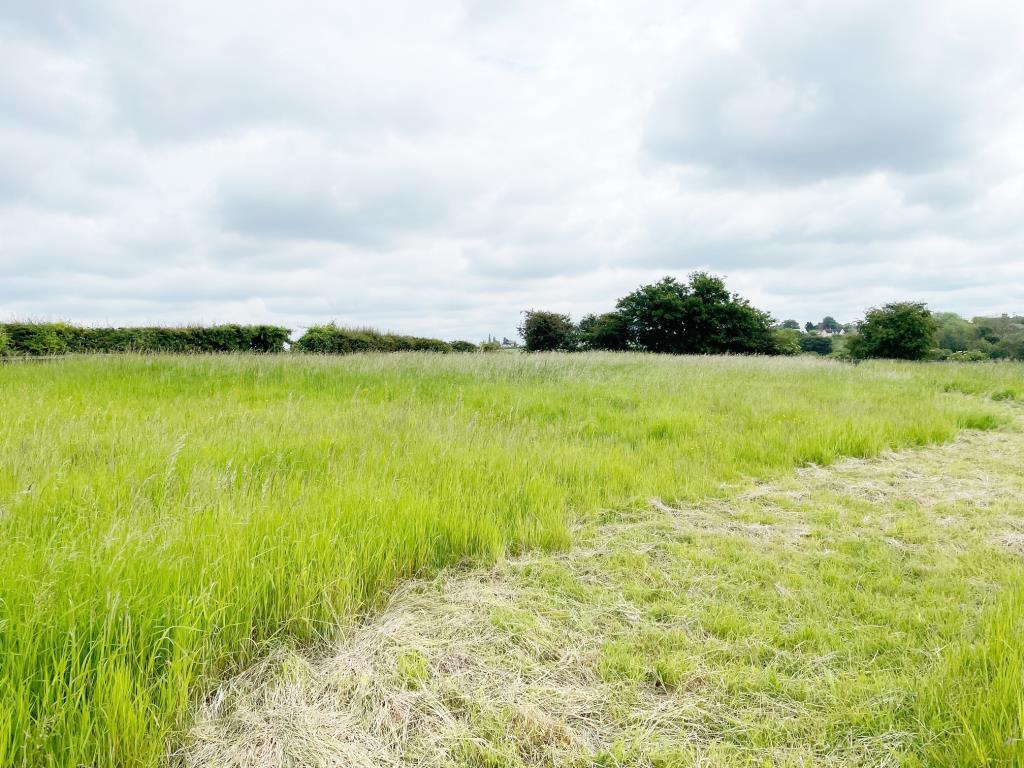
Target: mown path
x=801, y=622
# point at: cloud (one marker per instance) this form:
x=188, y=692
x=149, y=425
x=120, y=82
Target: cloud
x=439, y=169
x=813, y=90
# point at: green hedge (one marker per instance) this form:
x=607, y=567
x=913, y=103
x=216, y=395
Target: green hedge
x=332, y=339
x=62, y=338
x=38, y=339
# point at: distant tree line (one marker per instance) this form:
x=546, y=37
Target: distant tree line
x=979, y=338
x=910, y=331
x=695, y=317
x=700, y=316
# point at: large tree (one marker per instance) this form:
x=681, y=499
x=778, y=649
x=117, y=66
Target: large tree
x=547, y=331
x=697, y=317
x=607, y=331
x=900, y=331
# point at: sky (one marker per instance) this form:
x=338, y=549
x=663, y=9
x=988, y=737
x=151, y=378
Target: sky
x=437, y=168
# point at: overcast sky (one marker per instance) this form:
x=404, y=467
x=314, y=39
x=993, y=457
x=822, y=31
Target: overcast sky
x=437, y=167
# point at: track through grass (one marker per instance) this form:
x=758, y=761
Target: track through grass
x=168, y=520
x=866, y=614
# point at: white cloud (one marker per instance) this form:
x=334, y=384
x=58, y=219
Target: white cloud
x=436, y=168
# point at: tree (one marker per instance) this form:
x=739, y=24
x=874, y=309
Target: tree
x=787, y=341
x=547, y=331
x=810, y=327
x=829, y=324
x=793, y=324
x=697, y=317
x=954, y=333
x=900, y=331
x=821, y=345
x=608, y=331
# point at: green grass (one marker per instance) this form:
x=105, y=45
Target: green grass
x=864, y=614
x=167, y=520
x=972, y=703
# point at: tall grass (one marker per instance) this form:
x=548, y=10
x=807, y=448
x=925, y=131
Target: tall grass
x=972, y=706
x=165, y=520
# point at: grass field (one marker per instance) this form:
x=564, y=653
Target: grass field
x=167, y=521
x=862, y=614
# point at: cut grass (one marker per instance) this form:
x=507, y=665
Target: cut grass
x=836, y=617
x=168, y=520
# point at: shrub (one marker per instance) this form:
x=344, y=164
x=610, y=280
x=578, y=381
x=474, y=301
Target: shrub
x=462, y=346
x=490, y=346
x=821, y=345
x=547, y=331
x=5, y=348
x=331, y=339
x=968, y=356
x=899, y=331
x=786, y=341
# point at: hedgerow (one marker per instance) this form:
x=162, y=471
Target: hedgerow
x=39, y=339
x=61, y=338
x=335, y=340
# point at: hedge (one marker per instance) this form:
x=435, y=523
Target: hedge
x=39, y=339
x=61, y=338
x=332, y=339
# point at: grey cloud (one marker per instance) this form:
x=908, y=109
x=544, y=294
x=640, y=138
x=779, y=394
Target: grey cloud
x=821, y=89
x=317, y=214
x=301, y=188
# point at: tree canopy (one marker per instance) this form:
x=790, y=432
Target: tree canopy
x=697, y=317
x=547, y=331
x=899, y=331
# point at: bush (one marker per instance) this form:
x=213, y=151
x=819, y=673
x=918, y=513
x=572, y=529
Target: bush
x=547, y=331
x=5, y=340
x=968, y=356
x=821, y=345
x=462, y=346
x=331, y=339
x=59, y=338
x=898, y=331
x=786, y=341
x=490, y=346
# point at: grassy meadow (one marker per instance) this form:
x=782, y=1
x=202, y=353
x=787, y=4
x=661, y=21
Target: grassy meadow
x=166, y=521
